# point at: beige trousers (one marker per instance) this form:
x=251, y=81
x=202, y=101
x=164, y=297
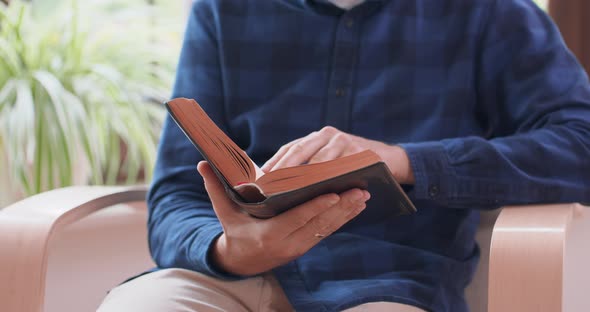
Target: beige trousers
x=176, y=290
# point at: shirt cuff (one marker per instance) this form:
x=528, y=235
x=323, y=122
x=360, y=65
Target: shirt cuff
x=434, y=176
x=203, y=247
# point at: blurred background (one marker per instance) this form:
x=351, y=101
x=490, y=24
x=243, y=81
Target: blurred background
x=81, y=87
x=82, y=82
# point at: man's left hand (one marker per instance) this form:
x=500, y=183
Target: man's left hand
x=330, y=143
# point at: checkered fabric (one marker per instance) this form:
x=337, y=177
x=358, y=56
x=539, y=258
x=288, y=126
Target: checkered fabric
x=489, y=104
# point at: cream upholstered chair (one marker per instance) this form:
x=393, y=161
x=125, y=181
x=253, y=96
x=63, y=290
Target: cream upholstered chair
x=64, y=249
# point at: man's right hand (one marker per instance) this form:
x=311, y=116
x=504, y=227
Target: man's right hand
x=249, y=246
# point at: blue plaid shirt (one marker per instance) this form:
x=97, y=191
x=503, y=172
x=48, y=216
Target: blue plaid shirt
x=490, y=106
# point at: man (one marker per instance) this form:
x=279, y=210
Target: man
x=473, y=104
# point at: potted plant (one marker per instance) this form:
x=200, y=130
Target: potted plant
x=75, y=106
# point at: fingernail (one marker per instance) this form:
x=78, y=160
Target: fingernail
x=357, y=196
x=367, y=195
x=334, y=200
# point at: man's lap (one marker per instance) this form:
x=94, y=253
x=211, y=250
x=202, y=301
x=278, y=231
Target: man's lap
x=183, y=290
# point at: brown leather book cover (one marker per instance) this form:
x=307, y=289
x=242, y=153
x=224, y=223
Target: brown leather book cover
x=376, y=177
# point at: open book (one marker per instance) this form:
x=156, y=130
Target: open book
x=267, y=194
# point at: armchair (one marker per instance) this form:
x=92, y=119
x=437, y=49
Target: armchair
x=64, y=249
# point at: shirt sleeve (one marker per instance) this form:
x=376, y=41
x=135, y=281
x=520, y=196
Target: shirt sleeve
x=182, y=224
x=534, y=100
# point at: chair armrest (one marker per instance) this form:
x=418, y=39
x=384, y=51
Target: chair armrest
x=26, y=230
x=528, y=256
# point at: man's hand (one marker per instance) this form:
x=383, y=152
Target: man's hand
x=331, y=143
x=250, y=246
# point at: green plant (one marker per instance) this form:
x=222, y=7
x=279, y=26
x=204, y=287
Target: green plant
x=70, y=96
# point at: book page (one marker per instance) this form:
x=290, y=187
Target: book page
x=292, y=178
x=259, y=172
x=217, y=148
x=250, y=192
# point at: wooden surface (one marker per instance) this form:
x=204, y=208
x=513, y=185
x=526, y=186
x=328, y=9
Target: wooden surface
x=27, y=229
x=573, y=19
x=536, y=252
x=92, y=256
x=527, y=257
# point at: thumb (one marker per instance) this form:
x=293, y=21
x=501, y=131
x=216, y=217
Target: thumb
x=224, y=207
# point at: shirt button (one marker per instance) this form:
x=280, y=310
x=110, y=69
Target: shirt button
x=433, y=191
x=339, y=92
x=349, y=22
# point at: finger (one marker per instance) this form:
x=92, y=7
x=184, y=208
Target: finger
x=335, y=148
x=307, y=237
x=351, y=203
x=276, y=157
x=297, y=217
x=306, y=240
x=224, y=207
x=303, y=150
